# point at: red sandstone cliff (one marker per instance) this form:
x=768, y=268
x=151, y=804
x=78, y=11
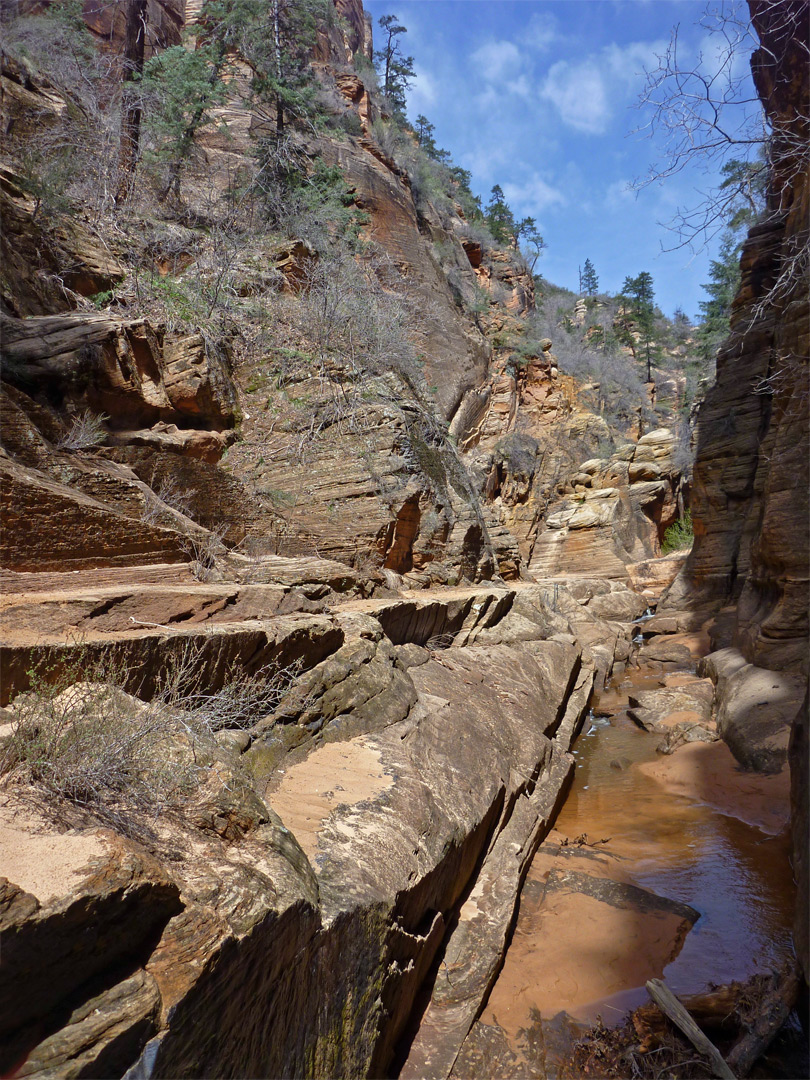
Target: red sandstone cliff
x=750, y=495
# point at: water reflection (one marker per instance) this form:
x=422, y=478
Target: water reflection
x=737, y=876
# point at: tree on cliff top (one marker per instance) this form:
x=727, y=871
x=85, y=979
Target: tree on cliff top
x=638, y=301
x=588, y=281
x=499, y=217
x=532, y=243
x=424, y=130
x=397, y=68
x=507, y=230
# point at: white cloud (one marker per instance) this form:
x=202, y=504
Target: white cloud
x=626, y=63
x=423, y=91
x=488, y=99
x=586, y=94
x=535, y=194
x=497, y=60
x=520, y=86
x=541, y=32
x=578, y=91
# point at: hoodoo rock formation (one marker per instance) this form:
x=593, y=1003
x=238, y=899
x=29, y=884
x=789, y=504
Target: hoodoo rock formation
x=428, y=559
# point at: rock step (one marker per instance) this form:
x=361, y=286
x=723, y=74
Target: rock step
x=54, y=581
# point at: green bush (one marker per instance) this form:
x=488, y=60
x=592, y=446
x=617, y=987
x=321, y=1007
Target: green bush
x=679, y=535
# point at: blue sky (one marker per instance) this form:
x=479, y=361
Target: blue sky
x=540, y=97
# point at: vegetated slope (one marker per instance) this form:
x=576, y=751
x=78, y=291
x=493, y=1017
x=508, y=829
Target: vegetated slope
x=321, y=293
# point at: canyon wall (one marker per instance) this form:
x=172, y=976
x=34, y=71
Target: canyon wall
x=387, y=810
x=750, y=490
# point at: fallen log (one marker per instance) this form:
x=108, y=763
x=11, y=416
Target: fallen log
x=671, y=1007
x=716, y=1012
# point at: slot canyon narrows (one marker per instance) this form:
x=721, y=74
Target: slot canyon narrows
x=403, y=657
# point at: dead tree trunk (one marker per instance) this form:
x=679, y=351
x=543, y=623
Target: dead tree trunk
x=134, y=49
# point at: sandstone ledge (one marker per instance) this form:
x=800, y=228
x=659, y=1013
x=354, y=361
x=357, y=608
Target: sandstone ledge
x=305, y=958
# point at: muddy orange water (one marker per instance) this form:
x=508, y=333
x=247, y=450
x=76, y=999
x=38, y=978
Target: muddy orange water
x=690, y=827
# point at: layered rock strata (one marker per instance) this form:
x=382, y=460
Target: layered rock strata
x=750, y=493
x=403, y=787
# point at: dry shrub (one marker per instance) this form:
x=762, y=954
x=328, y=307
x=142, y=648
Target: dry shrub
x=615, y=1054
x=79, y=736
x=169, y=494
x=205, y=548
x=86, y=431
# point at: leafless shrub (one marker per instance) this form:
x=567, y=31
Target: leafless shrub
x=205, y=548
x=704, y=111
x=69, y=150
x=86, y=431
x=440, y=641
x=358, y=309
x=168, y=494
x=79, y=736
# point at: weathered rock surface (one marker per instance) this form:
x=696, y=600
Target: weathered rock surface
x=616, y=514
x=750, y=492
x=695, y=697
x=756, y=708
x=38, y=264
x=68, y=505
x=102, y=1035
x=106, y=923
x=653, y=576
x=425, y=773
x=52, y=526
x=381, y=485
x=125, y=368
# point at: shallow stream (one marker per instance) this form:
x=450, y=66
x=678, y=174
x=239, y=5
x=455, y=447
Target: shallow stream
x=689, y=827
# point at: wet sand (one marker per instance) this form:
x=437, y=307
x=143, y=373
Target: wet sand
x=709, y=775
x=689, y=826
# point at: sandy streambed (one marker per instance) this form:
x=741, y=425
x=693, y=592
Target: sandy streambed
x=597, y=919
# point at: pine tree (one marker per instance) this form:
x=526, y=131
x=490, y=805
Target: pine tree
x=185, y=83
x=589, y=282
x=397, y=69
x=471, y=204
x=276, y=38
x=638, y=298
x=423, y=129
x=183, y=86
x=721, y=289
x=527, y=234
x=424, y=133
x=499, y=217
x=748, y=182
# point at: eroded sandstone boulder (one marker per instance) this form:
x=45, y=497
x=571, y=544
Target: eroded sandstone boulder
x=756, y=708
